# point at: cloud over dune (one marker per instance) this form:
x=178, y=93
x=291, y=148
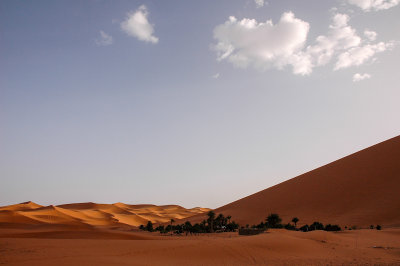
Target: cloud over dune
x=137, y=25
x=104, y=39
x=375, y=5
x=259, y=3
x=358, y=77
x=264, y=45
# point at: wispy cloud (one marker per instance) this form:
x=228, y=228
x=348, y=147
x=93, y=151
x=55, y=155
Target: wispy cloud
x=260, y=3
x=371, y=35
x=215, y=76
x=375, y=5
x=358, y=77
x=137, y=25
x=359, y=55
x=104, y=39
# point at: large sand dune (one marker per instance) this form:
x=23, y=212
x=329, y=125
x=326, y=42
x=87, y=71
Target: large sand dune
x=91, y=214
x=360, y=189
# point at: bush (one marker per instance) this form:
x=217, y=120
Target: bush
x=332, y=227
x=316, y=226
x=371, y=227
x=289, y=226
x=149, y=226
x=378, y=227
x=304, y=228
x=274, y=221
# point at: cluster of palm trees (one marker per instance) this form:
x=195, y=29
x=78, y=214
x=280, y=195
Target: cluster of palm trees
x=220, y=223
x=274, y=221
x=214, y=223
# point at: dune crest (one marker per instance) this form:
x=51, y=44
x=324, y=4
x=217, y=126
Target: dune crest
x=360, y=189
x=92, y=214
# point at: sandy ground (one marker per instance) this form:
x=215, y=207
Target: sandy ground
x=276, y=247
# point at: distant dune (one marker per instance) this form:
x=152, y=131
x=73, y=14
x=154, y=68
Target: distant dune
x=92, y=214
x=360, y=189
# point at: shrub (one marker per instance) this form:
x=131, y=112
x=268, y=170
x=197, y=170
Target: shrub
x=378, y=227
x=274, y=221
x=289, y=226
x=316, y=226
x=149, y=226
x=304, y=228
x=332, y=227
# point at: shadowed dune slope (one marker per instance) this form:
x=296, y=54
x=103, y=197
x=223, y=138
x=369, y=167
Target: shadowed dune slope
x=360, y=189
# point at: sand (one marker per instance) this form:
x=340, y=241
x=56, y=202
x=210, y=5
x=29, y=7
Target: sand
x=92, y=214
x=360, y=189
x=276, y=247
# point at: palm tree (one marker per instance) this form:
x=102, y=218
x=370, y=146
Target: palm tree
x=172, y=221
x=188, y=227
x=220, y=219
x=229, y=218
x=273, y=220
x=295, y=220
x=211, y=216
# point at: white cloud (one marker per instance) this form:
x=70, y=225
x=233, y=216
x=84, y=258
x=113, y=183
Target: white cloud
x=340, y=37
x=358, y=77
x=215, y=76
x=262, y=45
x=104, y=39
x=368, y=5
x=247, y=43
x=371, y=35
x=137, y=25
x=358, y=55
x=260, y=3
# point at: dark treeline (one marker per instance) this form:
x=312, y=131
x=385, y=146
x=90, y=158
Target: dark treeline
x=220, y=223
x=214, y=223
x=274, y=221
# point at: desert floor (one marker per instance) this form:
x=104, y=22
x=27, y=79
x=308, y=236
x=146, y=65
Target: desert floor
x=60, y=246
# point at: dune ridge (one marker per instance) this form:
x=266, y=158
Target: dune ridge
x=92, y=214
x=360, y=189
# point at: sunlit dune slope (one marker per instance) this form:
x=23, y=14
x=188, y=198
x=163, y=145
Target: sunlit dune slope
x=92, y=214
x=29, y=205
x=360, y=189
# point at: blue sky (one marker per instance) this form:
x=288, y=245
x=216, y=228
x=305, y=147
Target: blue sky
x=197, y=103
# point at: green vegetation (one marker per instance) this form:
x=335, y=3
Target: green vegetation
x=220, y=223
x=214, y=223
x=295, y=220
x=274, y=221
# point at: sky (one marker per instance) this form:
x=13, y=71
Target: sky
x=196, y=103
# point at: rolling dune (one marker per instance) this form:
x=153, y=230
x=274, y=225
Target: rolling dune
x=360, y=189
x=92, y=214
